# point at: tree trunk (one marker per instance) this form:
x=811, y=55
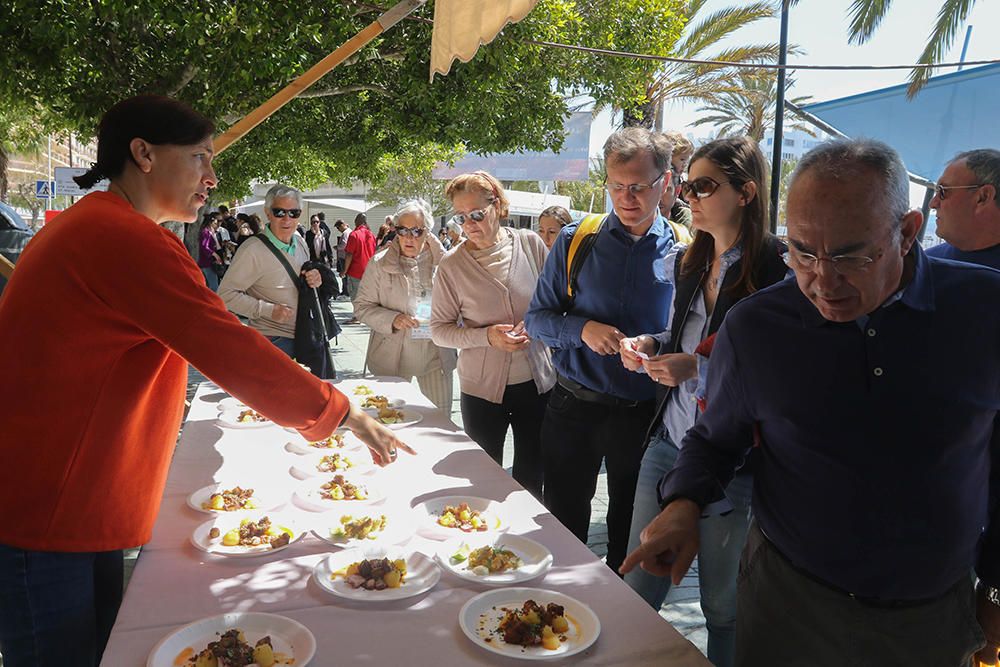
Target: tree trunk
x=3, y=174
x=641, y=115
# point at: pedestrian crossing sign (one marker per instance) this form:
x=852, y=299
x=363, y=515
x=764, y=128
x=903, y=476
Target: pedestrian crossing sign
x=45, y=189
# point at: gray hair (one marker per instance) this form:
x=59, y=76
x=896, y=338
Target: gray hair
x=840, y=158
x=985, y=164
x=628, y=142
x=415, y=206
x=453, y=226
x=278, y=191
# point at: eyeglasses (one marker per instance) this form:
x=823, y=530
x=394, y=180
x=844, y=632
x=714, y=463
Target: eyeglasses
x=415, y=232
x=843, y=264
x=292, y=213
x=476, y=216
x=635, y=189
x=942, y=190
x=700, y=188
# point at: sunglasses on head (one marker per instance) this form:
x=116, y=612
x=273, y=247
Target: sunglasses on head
x=415, y=232
x=293, y=213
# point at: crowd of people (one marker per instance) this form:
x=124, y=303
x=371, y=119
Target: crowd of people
x=817, y=418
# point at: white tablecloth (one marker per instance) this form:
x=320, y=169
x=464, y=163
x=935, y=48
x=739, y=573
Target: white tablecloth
x=174, y=583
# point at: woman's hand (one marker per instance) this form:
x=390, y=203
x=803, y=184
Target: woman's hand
x=672, y=369
x=404, y=321
x=627, y=348
x=508, y=337
x=383, y=445
x=282, y=313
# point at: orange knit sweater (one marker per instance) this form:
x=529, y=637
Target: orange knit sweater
x=95, y=327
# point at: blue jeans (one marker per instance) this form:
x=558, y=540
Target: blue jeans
x=721, y=540
x=211, y=278
x=286, y=345
x=57, y=608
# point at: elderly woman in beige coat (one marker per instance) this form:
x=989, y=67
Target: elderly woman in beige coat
x=394, y=301
x=481, y=292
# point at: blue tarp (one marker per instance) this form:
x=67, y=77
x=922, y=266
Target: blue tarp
x=952, y=113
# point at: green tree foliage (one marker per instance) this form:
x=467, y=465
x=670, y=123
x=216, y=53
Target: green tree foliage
x=410, y=174
x=225, y=58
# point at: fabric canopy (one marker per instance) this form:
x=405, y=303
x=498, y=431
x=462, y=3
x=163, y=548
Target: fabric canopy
x=952, y=113
x=462, y=26
x=359, y=205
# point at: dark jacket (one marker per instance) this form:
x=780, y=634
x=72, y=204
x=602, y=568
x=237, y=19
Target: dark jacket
x=327, y=252
x=311, y=347
x=769, y=268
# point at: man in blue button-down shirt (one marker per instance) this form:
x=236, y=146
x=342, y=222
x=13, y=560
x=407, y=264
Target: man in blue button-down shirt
x=874, y=383
x=597, y=409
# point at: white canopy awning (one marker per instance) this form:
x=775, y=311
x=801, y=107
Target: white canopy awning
x=251, y=204
x=533, y=203
x=359, y=205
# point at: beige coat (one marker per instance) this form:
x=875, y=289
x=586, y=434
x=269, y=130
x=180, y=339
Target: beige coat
x=467, y=300
x=384, y=294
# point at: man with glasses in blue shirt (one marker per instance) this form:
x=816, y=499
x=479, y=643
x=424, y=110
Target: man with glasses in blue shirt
x=598, y=411
x=872, y=383
x=967, y=201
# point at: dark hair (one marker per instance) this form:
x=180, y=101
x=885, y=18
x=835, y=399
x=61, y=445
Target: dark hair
x=741, y=160
x=154, y=118
x=322, y=216
x=255, y=224
x=360, y=219
x=206, y=220
x=557, y=212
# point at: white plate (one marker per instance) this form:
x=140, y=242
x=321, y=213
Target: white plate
x=482, y=614
x=351, y=444
x=305, y=466
x=410, y=417
x=421, y=574
x=398, y=529
x=230, y=404
x=228, y=418
x=537, y=559
x=394, y=403
x=428, y=513
x=201, y=540
x=307, y=495
x=263, y=499
x=288, y=637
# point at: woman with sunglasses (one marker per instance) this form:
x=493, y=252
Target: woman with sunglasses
x=732, y=256
x=394, y=300
x=257, y=285
x=83, y=481
x=481, y=292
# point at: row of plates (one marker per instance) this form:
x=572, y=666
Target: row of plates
x=230, y=409
x=477, y=618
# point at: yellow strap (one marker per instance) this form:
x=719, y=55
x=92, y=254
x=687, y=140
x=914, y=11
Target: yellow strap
x=681, y=233
x=588, y=225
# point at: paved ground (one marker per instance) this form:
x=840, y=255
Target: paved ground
x=681, y=609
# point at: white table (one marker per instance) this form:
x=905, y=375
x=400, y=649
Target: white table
x=174, y=583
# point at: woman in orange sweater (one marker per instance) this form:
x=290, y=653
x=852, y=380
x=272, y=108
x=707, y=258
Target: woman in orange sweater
x=94, y=343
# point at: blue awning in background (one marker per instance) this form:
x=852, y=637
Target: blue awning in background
x=954, y=112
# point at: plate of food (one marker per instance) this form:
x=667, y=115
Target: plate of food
x=376, y=574
x=325, y=463
x=245, y=638
x=363, y=527
x=394, y=418
x=335, y=443
x=452, y=516
x=225, y=498
x=245, y=418
x=339, y=492
x=247, y=535
x=529, y=623
x=500, y=560
x=363, y=390
x=376, y=402
x=230, y=403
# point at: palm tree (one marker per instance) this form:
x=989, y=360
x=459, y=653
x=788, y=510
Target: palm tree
x=749, y=109
x=687, y=81
x=866, y=15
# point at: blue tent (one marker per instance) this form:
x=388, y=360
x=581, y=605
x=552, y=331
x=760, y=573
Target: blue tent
x=952, y=113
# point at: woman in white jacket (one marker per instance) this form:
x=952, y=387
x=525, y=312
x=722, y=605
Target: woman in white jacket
x=394, y=300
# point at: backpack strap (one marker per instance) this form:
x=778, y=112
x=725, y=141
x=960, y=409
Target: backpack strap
x=580, y=247
x=281, y=257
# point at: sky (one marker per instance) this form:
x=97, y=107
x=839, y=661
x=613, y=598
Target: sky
x=819, y=27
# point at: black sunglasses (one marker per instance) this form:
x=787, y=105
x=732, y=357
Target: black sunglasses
x=293, y=213
x=415, y=232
